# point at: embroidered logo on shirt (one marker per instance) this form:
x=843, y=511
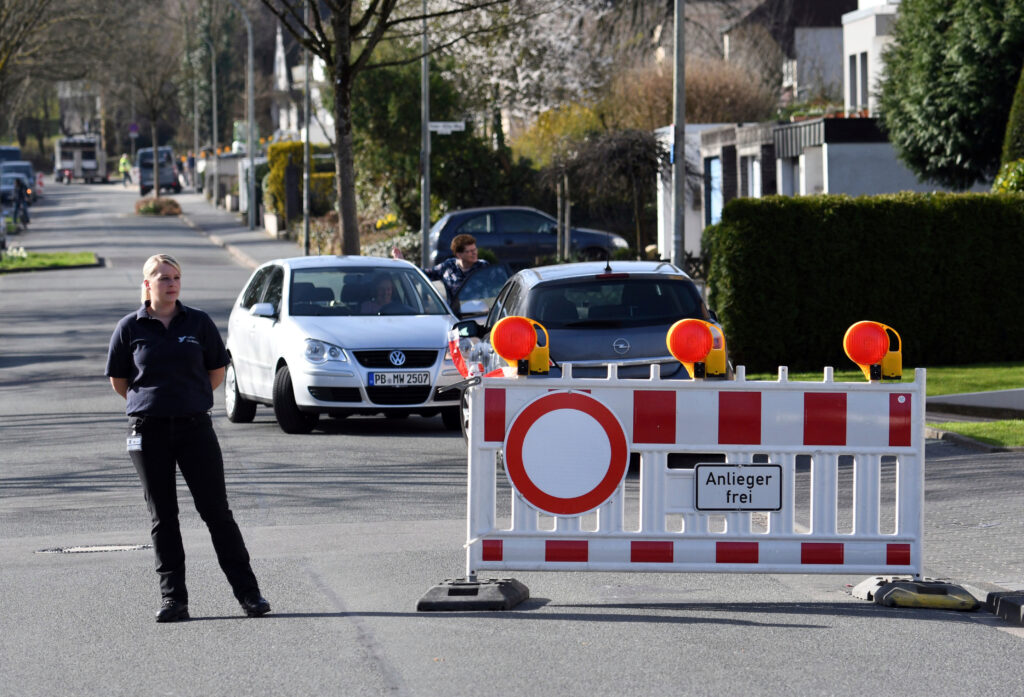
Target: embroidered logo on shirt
x=188, y=340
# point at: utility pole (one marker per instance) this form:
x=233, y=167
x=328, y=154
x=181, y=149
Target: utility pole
x=425, y=147
x=305, y=146
x=213, y=133
x=679, y=139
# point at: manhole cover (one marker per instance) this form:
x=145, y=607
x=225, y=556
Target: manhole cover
x=84, y=549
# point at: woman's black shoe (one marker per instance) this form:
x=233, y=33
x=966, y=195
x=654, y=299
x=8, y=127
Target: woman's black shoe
x=172, y=610
x=255, y=605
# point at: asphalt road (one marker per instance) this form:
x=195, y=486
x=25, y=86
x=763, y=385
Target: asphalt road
x=350, y=525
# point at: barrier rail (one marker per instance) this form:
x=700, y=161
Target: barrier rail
x=719, y=468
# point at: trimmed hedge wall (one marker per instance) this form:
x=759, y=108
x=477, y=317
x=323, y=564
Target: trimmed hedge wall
x=789, y=275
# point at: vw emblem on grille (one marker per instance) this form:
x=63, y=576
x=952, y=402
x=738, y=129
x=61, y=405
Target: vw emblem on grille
x=396, y=358
x=620, y=346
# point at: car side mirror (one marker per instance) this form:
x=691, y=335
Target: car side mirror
x=262, y=310
x=472, y=308
x=468, y=328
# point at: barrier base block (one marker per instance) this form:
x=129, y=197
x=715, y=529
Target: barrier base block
x=1007, y=604
x=455, y=595
x=903, y=591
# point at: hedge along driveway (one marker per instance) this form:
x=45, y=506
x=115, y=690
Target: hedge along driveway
x=789, y=275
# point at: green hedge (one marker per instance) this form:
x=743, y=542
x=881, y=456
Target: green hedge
x=789, y=275
x=321, y=181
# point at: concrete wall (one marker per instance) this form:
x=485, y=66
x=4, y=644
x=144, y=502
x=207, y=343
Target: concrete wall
x=819, y=55
x=871, y=168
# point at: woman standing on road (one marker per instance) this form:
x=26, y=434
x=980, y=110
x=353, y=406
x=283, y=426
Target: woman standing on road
x=166, y=360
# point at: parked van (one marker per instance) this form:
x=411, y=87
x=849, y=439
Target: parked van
x=168, y=170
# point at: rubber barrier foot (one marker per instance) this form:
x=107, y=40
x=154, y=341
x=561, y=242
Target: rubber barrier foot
x=903, y=591
x=454, y=595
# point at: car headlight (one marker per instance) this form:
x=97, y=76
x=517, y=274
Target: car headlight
x=620, y=243
x=322, y=352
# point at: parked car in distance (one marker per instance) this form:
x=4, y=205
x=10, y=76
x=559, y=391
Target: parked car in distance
x=25, y=169
x=518, y=236
x=339, y=335
x=168, y=170
x=9, y=152
x=597, y=314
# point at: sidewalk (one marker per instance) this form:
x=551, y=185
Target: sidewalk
x=231, y=231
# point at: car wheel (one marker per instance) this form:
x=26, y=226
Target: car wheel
x=452, y=419
x=239, y=409
x=464, y=417
x=289, y=418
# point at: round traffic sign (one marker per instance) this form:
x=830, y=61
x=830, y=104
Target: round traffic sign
x=566, y=453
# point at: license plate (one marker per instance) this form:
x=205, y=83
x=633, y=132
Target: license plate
x=738, y=487
x=399, y=379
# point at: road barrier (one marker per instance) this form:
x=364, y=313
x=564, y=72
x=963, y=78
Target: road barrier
x=734, y=475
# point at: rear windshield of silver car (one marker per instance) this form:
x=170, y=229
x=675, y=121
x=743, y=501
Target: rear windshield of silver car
x=615, y=302
x=362, y=290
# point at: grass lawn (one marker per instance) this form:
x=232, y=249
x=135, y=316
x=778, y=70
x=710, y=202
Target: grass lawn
x=46, y=260
x=953, y=379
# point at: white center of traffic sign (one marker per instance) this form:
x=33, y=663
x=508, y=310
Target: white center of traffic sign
x=566, y=453
x=582, y=461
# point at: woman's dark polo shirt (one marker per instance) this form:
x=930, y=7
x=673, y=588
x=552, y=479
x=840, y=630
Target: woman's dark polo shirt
x=167, y=368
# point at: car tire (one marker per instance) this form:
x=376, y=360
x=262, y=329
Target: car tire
x=464, y=416
x=452, y=419
x=289, y=418
x=239, y=409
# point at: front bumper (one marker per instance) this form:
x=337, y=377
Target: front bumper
x=346, y=386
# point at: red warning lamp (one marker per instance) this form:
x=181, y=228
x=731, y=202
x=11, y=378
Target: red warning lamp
x=513, y=338
x=876, y=348
x=866, y=343
x=690, y=341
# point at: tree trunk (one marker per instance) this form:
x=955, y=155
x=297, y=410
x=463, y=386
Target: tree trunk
x=344, y=161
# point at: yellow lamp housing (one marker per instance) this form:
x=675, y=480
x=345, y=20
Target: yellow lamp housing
x=716, y=362
x=877, y=348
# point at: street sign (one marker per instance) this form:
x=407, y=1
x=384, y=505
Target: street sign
x=447, y=127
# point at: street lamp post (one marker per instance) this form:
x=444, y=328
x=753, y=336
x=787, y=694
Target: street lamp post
x=250, y=146
x=425, y=146
x=305, y=145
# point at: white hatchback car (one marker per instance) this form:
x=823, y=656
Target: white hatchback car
x=339, y=335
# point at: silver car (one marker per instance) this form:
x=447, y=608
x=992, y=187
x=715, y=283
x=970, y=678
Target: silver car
x=596, y=314
x=339, y=335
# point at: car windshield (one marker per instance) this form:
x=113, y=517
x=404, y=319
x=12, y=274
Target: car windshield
x=362, y=290
x=482, y=285
x=621, y=301
x=146, y=158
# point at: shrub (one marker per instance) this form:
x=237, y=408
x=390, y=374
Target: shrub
x=279, y=155
x=1010, y=178
x=157, y=206
x=789, y=275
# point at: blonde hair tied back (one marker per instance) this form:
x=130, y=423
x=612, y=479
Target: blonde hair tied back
x=150, y=267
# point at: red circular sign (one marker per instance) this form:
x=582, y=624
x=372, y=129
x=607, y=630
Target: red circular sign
x=564, y=471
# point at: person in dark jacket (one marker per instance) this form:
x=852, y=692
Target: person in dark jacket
x=166, y=359
x=20, y=201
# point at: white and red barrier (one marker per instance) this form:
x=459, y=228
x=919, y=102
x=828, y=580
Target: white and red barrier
x=565, y=444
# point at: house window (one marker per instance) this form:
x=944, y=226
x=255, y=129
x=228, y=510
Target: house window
x=712, y=190
x=863, y=80
x=852, y=82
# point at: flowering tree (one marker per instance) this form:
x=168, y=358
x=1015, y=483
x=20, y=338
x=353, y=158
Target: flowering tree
x=345, y=34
